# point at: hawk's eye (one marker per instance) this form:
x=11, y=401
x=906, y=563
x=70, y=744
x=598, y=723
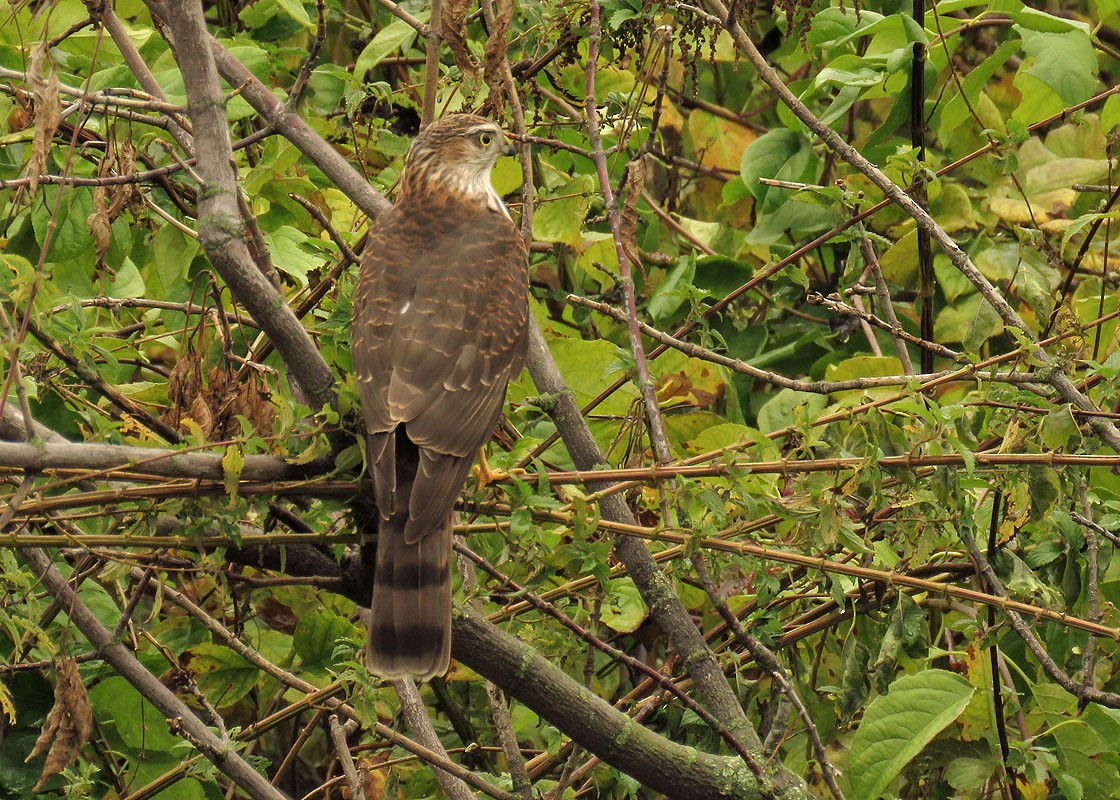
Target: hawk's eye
x=485, y=139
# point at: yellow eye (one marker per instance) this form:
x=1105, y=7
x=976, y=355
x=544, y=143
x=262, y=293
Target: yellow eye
x=485, y=139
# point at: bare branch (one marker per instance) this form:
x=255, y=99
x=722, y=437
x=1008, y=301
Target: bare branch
x=416, y=715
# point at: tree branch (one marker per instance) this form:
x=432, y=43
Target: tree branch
x=666, y=767
x=221, y=229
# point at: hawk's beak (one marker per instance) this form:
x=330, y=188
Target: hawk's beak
x=509, y=150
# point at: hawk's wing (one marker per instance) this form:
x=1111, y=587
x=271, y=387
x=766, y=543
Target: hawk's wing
x=440, y=312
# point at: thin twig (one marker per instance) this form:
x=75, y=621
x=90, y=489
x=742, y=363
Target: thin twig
x=1025, y=630
x=405, y=17
x=342, y=750
x=1092, y=576
x=835, y=304
x=635, y=664
x=1061, y=382
x=883, y=299
x=220, y=752
x=312, y=56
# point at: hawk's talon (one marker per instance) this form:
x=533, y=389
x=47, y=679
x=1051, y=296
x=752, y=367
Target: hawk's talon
x=487, y=476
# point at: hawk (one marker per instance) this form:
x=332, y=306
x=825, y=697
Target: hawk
x=440, y=313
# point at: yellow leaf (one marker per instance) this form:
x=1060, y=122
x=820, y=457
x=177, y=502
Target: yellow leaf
x=718, y=142
x=233, y=462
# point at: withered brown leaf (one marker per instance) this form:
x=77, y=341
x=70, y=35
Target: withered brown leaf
x=68, y=724
x=635, y=182
x=48, y=111
x=494, y=55
x=454, y=24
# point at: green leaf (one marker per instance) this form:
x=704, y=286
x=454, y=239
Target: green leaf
x=138, y=723
x=623, y=609
x=1058, y=427
x=1110, y=114
x=780, y=154
x=317, y=635
x=955, y=111
x=832, y=26
x=848, y=70
x=673, y=290
x=72, y=234
x=1064, y=63
x=295, y=10
x=172, y=253
x=721, y=275
x=1033, y=18
x=397, y=35
x=898, y=725
x=972, y=322
x=863, y=367
x=560, y=218
x=127, y=282
x=787, y=406
x=288, y=255
x=584, y=364
x=223, y=675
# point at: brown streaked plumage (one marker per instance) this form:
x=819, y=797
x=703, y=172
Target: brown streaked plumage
x=440, y=315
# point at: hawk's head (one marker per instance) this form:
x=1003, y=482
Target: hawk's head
x=455, y=155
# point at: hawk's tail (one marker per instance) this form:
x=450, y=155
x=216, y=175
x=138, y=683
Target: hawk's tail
x=410, y=614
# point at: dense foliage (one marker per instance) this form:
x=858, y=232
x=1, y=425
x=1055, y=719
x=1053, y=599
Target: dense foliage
x=885, y=439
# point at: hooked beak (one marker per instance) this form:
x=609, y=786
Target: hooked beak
x=509, y=150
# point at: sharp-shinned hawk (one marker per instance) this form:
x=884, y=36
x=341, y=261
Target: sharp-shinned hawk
x=440, y=315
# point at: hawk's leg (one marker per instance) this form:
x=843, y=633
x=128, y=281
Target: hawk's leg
x=486, y=476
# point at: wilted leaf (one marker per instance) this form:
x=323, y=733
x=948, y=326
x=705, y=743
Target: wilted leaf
x=718, y=142
x=494, y=54
x=68, y=724
x=454, y=22
x=635, y=182
x=43, y=81
x=854, y=682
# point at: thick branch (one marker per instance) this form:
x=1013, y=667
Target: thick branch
x=293, y=128
x=221, y=229
x=148, y=460
x=666, y=767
